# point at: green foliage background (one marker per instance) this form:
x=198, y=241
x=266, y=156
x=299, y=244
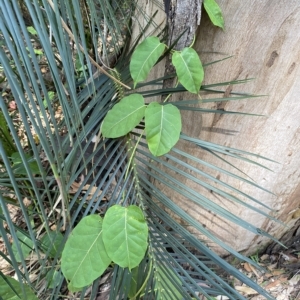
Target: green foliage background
x=63, y=151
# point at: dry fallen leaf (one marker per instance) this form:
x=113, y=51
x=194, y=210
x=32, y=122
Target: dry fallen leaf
x=246, y=290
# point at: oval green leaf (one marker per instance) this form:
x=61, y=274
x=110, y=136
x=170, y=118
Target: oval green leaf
x=84, y=257
x=144, y=58
x=124, y=116
x=51, y=242
x=125, y=235
x=214, y=12
x=163, y=126
x=7, y=290
x=26, y=246
x=188, y=69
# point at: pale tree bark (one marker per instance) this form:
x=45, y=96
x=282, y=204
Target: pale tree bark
x=263, y=38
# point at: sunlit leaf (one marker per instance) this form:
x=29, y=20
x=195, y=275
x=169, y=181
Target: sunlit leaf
x=144, y=58
x=163, y=126
x=188, y=69
x=84, y=257
x=124, y=116
x=214, y=12
x=125, y=235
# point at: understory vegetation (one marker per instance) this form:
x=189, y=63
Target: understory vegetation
x=85, y=152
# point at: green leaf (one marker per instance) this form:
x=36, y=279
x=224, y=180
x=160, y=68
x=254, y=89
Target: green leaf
x=188, y=69
x=84, y=257
x=31, y=30
x=5, y=136
x=214, y=12
x=164, y=285
x=124, y=116
x=26, y=246
x=133, y=282
x=52, y=241
x=144, y=58
x=163, y=126
x=53, y=279
x=125, y=235
x=19, y=167
x=7, y=293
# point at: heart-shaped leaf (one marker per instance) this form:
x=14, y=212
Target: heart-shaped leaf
x=144, y=58
x=124, y=116
x=214, y=12
x=125, y=235
x=163, y=126
x=84, y=257
x=188, y=69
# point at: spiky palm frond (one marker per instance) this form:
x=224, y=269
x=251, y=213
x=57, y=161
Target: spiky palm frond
x=64, y=172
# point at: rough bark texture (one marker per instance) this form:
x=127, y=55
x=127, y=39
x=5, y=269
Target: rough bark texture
x=183, y=19
x=263, y=37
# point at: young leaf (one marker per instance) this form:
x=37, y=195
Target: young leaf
x=163, y=126
x=26, y=246
x=52, y=242
x=84, y=257
x=8, y=291
x=125, y=235
x=188, y=69
x=144, y=58
x=214, y=12
x=124, y=116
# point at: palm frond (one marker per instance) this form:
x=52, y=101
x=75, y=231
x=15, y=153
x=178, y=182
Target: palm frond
x=66, y=172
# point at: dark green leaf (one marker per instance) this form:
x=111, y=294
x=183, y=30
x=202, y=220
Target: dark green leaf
x=7, y=293
x=52, y=241
x=19, y=167
x=26, y=246
x=5, y=136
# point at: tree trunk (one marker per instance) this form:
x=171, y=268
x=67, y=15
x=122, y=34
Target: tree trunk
x=263, y=38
